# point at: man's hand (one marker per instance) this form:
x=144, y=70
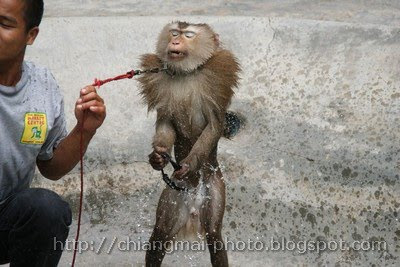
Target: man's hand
x=157, y=161
x=96, y=110
x=67, y=154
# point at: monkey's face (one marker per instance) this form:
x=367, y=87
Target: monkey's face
x=179, y=41
x=185, y=46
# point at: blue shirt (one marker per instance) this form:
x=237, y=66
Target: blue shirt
x=32, y=124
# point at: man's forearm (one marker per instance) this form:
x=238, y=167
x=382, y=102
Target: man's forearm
x=66, y=156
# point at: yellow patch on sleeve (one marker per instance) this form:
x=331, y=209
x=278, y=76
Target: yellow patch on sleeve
x=35, y=129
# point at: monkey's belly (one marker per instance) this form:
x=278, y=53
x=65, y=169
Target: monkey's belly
x=191, y=228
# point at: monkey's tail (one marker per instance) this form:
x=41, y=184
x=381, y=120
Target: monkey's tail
x=233, y=124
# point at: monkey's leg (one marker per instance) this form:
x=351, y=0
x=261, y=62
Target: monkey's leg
x=211, y=219
x=171, y=216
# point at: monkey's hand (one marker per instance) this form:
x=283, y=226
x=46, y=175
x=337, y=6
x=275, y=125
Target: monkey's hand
x=182, y=172
x=157, y=161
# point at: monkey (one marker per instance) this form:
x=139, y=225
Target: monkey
x=191, y=100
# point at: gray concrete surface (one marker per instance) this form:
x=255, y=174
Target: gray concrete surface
x=385, y=12
x=326, y=90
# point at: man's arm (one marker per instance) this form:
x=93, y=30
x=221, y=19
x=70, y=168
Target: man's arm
x=90, y=108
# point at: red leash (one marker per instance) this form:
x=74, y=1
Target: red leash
x=97, y=83
x=128, y=75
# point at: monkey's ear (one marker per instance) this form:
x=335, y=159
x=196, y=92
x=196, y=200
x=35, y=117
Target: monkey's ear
x=216, y=39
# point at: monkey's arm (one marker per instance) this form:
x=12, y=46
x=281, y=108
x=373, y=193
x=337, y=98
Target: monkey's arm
x=207, y=142
x=165, y=133
x=162, y=142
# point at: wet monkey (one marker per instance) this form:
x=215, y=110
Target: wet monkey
x=191, y=101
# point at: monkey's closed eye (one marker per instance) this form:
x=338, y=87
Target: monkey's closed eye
x=174, y=33
x=189, y=34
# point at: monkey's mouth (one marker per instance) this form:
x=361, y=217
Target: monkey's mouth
x=176, y=54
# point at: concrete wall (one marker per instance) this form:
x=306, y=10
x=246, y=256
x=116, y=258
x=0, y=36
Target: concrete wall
x=317, y=160
x=384, y=12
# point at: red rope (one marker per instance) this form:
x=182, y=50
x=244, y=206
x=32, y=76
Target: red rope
x=97, y=83
x=81, y=195
x=128, y=75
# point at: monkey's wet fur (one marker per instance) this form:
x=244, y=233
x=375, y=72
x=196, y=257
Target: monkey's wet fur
x=191, y=101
